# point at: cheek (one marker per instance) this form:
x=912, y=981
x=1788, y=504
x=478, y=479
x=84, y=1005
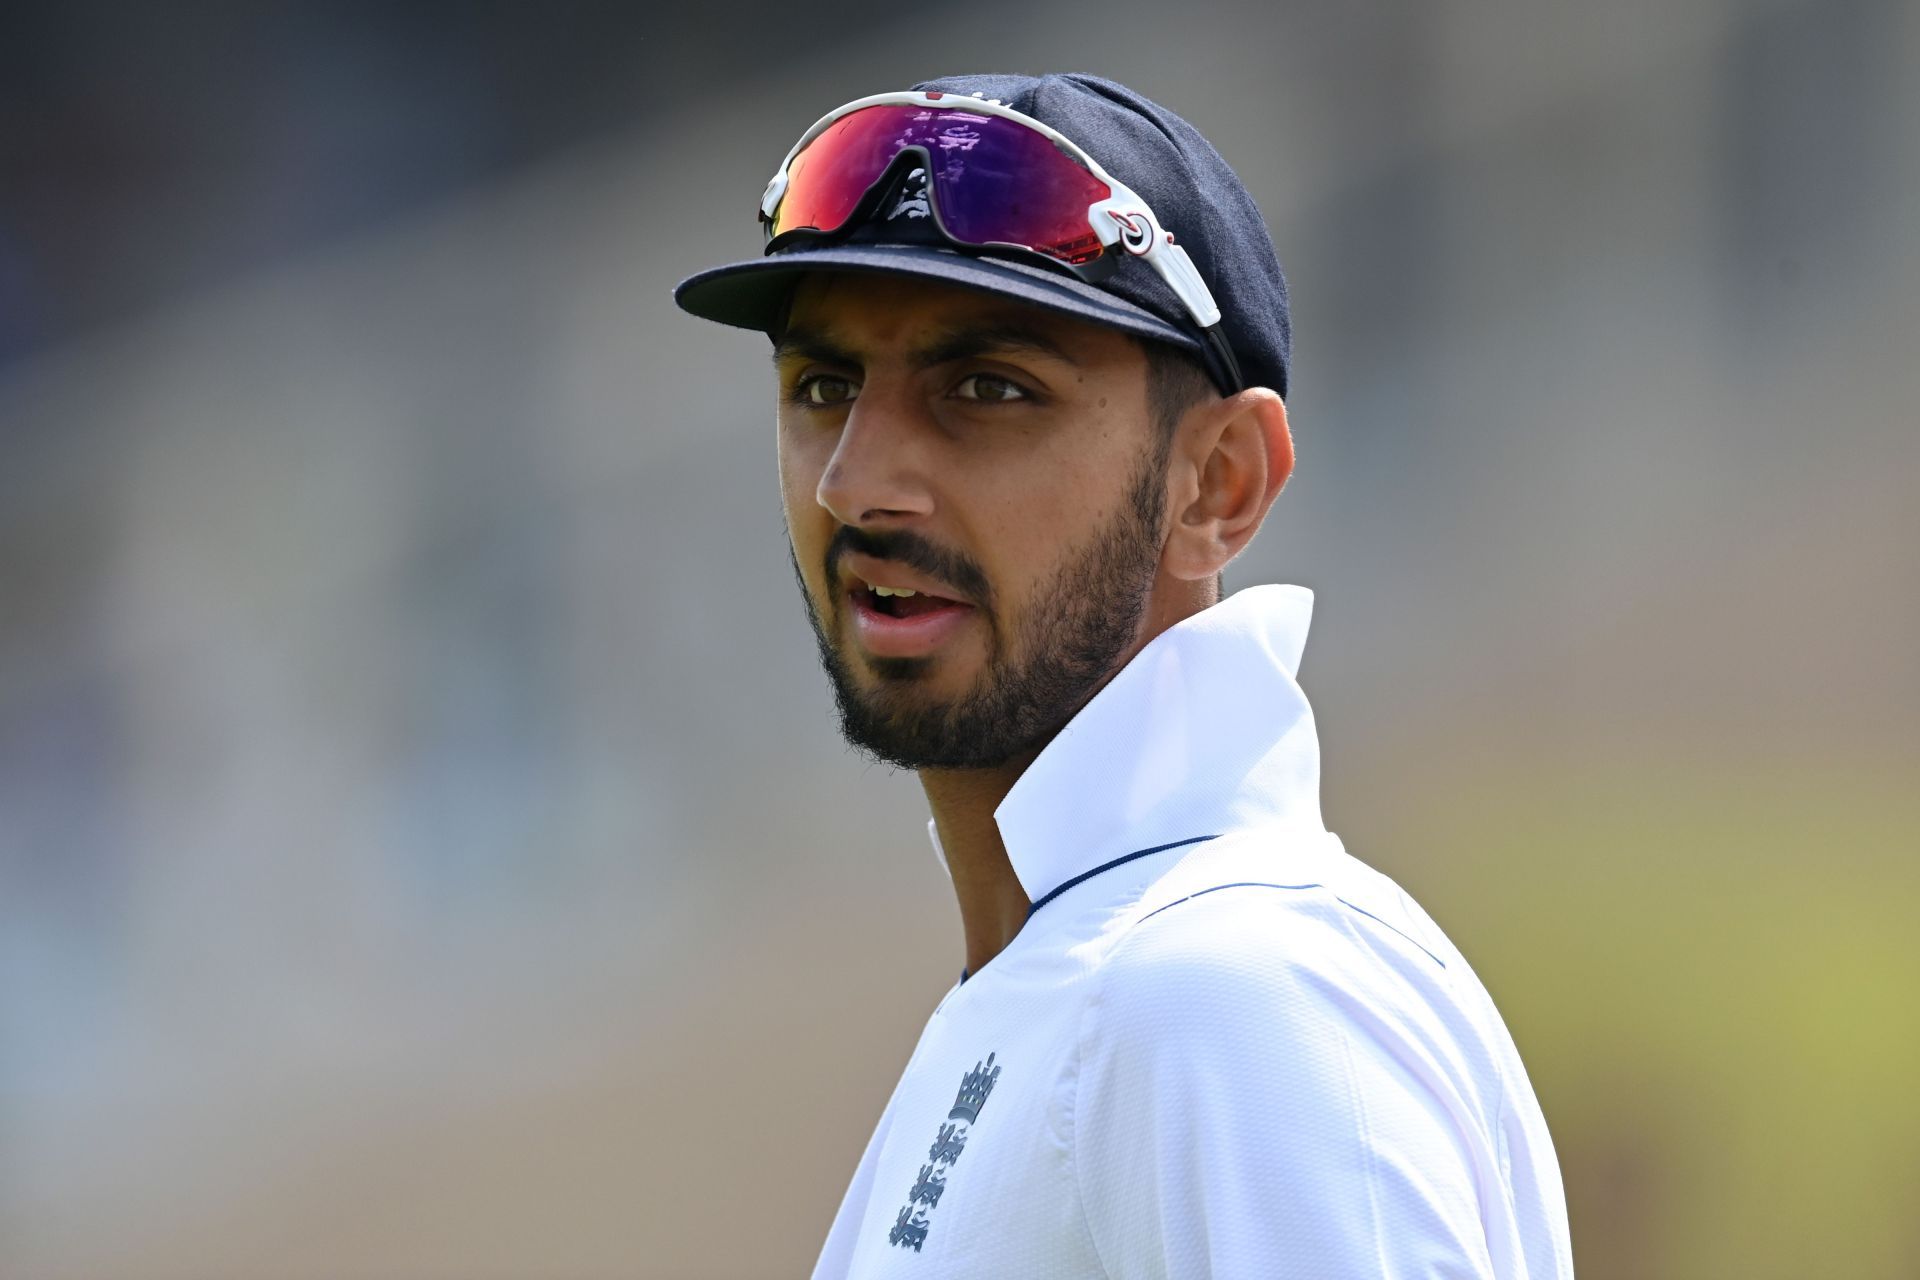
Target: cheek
x=809, y=525
x=1045, y=507
x=804, y=448
x=1046, y=514
x=797, y=485
x=799, y=471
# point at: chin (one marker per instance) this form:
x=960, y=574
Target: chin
x=919, y=682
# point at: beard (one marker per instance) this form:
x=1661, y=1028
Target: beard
x=1074, y=629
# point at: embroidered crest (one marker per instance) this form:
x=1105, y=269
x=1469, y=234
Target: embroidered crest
x=910, y=1228
x=947, y=1144
x=974, y=1088
x=927, y=1187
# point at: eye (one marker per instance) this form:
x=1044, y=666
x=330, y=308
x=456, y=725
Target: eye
x=989, y=388
x=824, y=390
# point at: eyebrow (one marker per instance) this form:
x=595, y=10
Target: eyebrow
x=1010, y=337
x=1000, y=338
x=800, y=344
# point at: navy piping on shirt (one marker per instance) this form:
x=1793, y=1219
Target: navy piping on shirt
x=1238, y=884
x=1108, y=866
x=1105, y=866
x=1261, y=884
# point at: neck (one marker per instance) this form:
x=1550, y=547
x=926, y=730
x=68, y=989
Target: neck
x=993, y=906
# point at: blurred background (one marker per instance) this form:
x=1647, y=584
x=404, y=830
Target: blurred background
x=425, y=848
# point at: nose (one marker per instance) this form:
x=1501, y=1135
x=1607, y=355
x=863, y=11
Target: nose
x=878, y=470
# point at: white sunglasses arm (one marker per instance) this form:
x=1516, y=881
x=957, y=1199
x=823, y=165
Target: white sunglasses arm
x=1123, y=219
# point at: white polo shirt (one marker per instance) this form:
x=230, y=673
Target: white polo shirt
x=1219, y=1046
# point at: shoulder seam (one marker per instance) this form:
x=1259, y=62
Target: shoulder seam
x=1262, y=884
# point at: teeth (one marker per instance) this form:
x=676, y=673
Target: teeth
x=892, y=591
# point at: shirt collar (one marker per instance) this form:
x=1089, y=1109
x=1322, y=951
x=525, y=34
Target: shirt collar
x=1206, y=730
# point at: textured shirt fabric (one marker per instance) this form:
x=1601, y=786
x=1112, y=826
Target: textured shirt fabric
x=1219, y=1047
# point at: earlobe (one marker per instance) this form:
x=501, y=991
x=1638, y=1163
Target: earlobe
x=1239, y=452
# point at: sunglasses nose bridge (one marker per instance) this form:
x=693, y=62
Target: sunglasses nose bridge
x=899, y=198
x=903, y=193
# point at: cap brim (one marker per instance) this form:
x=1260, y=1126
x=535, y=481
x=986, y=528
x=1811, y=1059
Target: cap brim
x=754, y=294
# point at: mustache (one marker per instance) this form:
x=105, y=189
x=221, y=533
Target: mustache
x=914, y=552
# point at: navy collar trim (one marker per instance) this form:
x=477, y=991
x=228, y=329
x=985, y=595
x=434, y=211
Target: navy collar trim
x=1108, y=866
x=1105, y=866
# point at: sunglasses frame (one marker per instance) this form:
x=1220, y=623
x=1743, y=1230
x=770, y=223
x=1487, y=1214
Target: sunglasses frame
x=1122, y=220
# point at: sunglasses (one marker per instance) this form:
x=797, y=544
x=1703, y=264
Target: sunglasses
x=995, y=179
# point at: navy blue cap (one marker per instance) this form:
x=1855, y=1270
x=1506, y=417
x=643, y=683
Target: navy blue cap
x=1166, y=161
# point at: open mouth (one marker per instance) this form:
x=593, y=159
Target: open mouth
x=892, y=622
x=890, y=603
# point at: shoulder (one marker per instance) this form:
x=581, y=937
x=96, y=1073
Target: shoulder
x=1272, y=963
x=1266, y=917
x=1266, y=966
x=1270, y=1059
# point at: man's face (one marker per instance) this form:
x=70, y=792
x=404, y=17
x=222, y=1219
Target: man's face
x=996, y=460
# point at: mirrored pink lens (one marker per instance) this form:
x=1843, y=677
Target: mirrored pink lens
x=994, y=180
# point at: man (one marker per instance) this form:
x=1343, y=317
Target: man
x=1032, y=346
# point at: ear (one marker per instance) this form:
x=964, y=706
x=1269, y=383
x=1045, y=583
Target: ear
x=1230, y=459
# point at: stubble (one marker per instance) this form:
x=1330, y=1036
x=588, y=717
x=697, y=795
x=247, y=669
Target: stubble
x=1068, y=642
